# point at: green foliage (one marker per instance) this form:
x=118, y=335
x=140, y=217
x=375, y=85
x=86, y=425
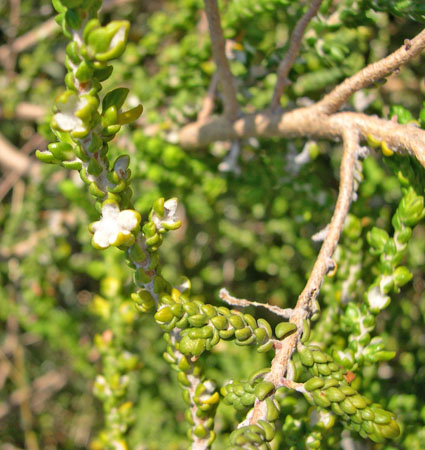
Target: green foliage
x=113, y=330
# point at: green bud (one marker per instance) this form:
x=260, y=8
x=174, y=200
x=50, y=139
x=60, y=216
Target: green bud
x=249, y=341
x=347, y=406
x=110, y=116
x=319, y=357
x=108, y=42
x=334, y=394
x=264, y=324
x=46, y=157
x=260, y=334
x=358, y=401
x=84, y=72
x=411, y=208
x=377, y=239
x=95, y=191
x=337, y=409
x=102, y=73
x=320, y=399
x=219, y=322
x=164, y=315
x=348, y=390
x=265, y=347
x=209, y=310
x=94, y=167
x=250, y=321
x=401, y=276
x=191, y=346
x=403, y=236
x=269, y=430
x=198, y=320
x=313, y=383
x=284, y=329
x=247, y=399
x=382, y=417
x=272, y=410
x=390, y=431
x=182, y=379
x=243, y=334
x=236, y=321
x=306, y=331
x=306, y=357
x=263, y=389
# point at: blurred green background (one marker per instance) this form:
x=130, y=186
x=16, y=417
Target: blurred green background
x=247, y=229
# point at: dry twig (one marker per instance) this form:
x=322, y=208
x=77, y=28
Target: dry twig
x=218, y=49
x=303, y=307
x=242, y=303
x=294, y=47
x=12, y=159
x=373, y=72
x=208, y=102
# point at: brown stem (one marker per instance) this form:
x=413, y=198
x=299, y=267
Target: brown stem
x=243, y=303
x=218, y=50
x=294, y=47
x=304, y=306
x=373, y=72
x=12, y=159
x=305, y=122
x=208, y=102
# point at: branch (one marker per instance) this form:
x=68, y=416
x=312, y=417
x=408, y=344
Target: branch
x=304, y=306
x=218, y=50
x=305, y=122
x=373, y=72
x=208, y=102
x=13, y=176
x=242, y=303
x=294, y=47
x=25, y=111
x=13, y=159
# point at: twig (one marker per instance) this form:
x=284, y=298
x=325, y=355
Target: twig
x=306, y=299
x=13, y=159
x=373, y=72
x=225, y=296
x=305, y=122
x=294, y=47
x=13, y=176
x=25, y=111
x=218, y=50
x=208, y=102
x=15, y=6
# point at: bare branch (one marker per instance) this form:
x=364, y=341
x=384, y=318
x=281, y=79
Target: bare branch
x=304, y=306
x=218, y=50
x=294, y=47
x=208, y=102
x=25, y=111
x=373, y=72
x=13, y=176
x=13, y=159
x=229, y=299
x=305, y=122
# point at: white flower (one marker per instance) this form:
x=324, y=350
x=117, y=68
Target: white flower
x=66, y=118
x=115, y=226
x=168, y=221
x=377, y=300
